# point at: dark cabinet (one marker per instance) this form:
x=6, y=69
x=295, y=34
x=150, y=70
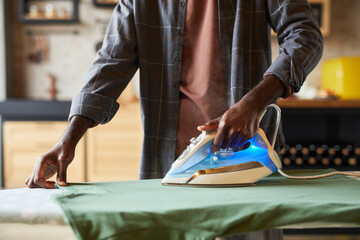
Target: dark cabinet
x=321, y=134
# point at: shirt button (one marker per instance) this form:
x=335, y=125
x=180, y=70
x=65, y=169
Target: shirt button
x=182, y=4
x=177, y=59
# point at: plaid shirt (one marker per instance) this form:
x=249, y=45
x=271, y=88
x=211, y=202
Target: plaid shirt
x=148, y=34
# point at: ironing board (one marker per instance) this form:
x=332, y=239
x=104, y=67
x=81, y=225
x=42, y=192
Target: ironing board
x=30, y=206
x=139, y=209
x=27, y=214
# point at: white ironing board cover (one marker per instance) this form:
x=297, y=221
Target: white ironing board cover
x=30, y=206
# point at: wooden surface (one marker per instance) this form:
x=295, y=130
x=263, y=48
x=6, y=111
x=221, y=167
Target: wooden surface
x=25, y=141
x=114, y=149
x=296, y=103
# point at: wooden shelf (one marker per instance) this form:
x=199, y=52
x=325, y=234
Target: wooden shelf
x=317, y=103
x=71, y=14
x=105, y=3
x=44, y=17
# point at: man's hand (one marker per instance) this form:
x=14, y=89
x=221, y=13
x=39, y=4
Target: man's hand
x=240, y=123
x=237, y=125
x=60, y=156
x=55, y=161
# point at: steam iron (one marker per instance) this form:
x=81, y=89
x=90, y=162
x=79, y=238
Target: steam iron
x=198, y=166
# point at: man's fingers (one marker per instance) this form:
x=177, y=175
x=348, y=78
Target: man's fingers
x=41, y=182
x=212, y=125
x=234, y=140
x=61, y=176
x=219, y=138
x=33, y=185
x=30, y=183
x=27, y=180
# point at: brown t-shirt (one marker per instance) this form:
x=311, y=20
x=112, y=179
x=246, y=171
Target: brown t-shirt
x=202, y=87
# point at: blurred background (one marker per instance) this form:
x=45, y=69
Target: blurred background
x=47, y=47
x=45, y=40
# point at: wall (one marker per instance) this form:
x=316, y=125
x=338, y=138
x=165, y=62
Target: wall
x=71, y=54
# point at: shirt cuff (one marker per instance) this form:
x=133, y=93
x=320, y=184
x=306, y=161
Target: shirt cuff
x=288, y=89
x=288, y=70
x=100, y=109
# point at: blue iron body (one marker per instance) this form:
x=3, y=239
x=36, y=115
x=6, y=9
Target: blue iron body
x=198, y=160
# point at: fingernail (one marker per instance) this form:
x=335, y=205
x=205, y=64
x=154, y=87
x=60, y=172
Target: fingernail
x=62, y=183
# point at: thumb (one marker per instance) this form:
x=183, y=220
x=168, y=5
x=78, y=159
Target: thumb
x=211, y=125
x=61, y=174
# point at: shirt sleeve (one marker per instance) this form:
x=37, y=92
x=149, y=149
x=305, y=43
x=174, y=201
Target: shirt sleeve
x=300, y=41
x=288, y=90
x=114, y=66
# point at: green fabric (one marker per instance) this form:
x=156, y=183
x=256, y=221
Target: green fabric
x=147, y=210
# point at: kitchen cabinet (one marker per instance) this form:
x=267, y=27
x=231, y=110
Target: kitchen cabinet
x=109, y=152
x=114, y=149
x=25, y=141
x=48, y=11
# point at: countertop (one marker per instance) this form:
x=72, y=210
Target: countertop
x=318, y=103
x=34, y=109
x=29, y=109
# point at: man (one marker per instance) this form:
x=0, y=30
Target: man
x=200, y=61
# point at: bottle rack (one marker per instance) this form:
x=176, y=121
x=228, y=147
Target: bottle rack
x=309, y=155
x=48, y=11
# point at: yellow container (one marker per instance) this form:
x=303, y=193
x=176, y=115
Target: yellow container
x=342, y=77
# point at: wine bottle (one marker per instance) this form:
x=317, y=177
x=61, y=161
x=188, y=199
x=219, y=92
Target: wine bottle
x=354, y=156
x=325, y=161
x=305, y=151
x=284, y=152
x=352, y=161
x=312, y=160
x=320, y=150
x=298, y=147
x=357, y=151
x=292, y=158
x=312, y=148
x=299, y=161
x=286, y=161
x=292, y=150
x=312, y=154
x=345, y=151
x=338, y=161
